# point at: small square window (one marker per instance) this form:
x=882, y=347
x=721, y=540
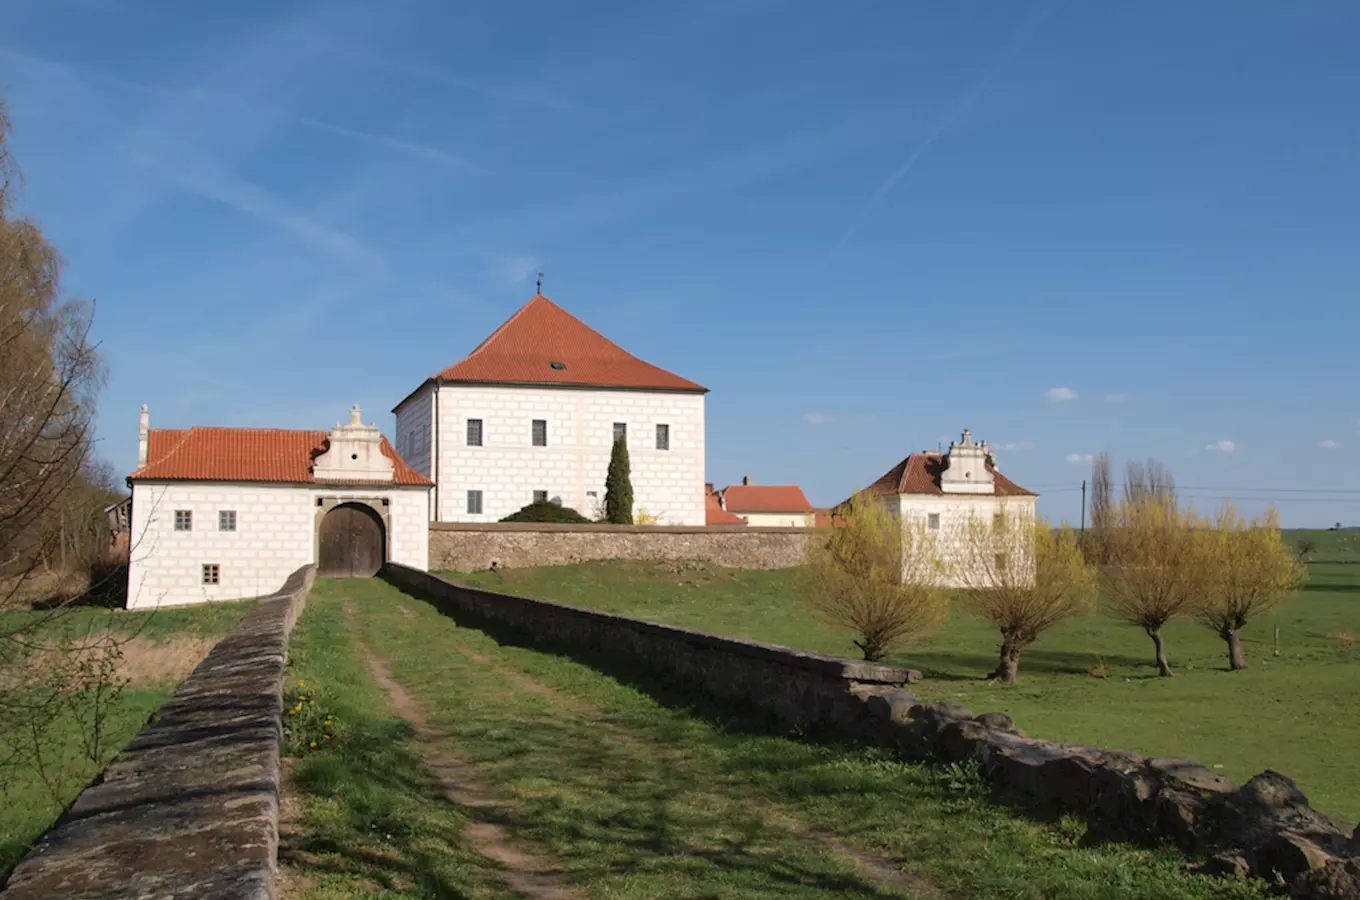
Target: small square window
x=933, y=522
x=474, y=432
x=184, y=520
x=540, y=432
x=474, y=504
x=663, y=437
x=226, y=520
x=620, y=431
x=212, y=573
x=540, y=496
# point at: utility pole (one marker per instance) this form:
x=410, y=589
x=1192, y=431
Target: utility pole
x=1083, y=511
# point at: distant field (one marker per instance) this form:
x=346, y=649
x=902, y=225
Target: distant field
x=1298, y=712
x=162, y=648
x=1329, y=546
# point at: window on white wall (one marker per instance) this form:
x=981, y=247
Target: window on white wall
x=226, y=520
x=474, y=432
x=474, y=504
x=620, y=431
x=540, y=432
x=212, y=573
x=933, y=522
x=663, y=437
x=184, y=520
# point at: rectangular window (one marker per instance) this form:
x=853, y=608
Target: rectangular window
x=474, y=434
x=540, y=432
x=226, y=520
x=184, y=520
x=663, y=437
x=212, y=573
x=933, y=522
x=540, y=496
x=620, y=431
x=474, y=507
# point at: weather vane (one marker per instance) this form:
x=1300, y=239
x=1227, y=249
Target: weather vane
x=540, y=282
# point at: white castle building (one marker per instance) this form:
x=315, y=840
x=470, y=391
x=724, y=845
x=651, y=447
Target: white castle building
x=532, y=414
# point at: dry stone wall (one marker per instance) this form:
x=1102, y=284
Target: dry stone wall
x=190, y=807
x=1265, y=828
x=473, y=548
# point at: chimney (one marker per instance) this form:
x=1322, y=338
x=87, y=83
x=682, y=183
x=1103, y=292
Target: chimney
x=144, y=437
x=708, y=487
x=747, y=480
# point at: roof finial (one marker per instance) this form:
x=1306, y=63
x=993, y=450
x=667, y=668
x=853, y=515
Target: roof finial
x=540, y=283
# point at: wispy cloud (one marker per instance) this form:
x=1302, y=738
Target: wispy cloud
x=408, y=148
x=1010, y=448
x=1222, y=447
x=1328, y=444
x=820, y=417
x=1079, y=457
x=1019, y=39
x=1059, y=395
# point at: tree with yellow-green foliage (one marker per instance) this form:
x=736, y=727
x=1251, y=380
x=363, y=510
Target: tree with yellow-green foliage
x=875, y=577
x=1245, y=571
x=1024, y=577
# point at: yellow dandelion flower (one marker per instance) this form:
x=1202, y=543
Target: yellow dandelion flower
x=326, y=737
x=313, y=743
x=301, y=682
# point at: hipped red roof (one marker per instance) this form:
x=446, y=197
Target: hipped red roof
x=247, y=454
x=714, y=514
x=920, y=474
x=766, y=498
x=540, y=334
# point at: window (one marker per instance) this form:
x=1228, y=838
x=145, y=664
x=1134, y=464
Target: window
x=474, y=434
x=226, y=520
x=212, y=573
x=933, y=522
x=540, y=432
x=540, y=496
x=184, y=520
x=620, y=431
x=663, y=437
x=474, y=503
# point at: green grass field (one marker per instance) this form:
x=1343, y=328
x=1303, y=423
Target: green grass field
x=1327, y=546
x=1298, y=713
x=155, y=661
x=629, y=792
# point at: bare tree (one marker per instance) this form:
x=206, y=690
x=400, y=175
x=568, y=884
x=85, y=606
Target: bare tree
x=1102, y=501
x=1149, y=572
x=1246, y=571
x=875, y=577
x=1024, y=577
x=1148, y=480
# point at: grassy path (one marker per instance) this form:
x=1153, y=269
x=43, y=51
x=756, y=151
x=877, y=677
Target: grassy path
x=632, y=797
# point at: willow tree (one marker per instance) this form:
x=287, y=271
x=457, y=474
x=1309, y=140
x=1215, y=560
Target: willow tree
x=875, y=577
x=1024, y=577
x=1246, y=570
x=1149, y=572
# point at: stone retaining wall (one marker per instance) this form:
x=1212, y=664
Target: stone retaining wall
x=1266, y=827
x=473, y=548
x=190, y=807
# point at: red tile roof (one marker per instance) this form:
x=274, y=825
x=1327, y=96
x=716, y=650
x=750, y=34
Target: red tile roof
x=714, y=514
x=247, y=454
x=765, y=498
x=920, y=474
x=540, y=334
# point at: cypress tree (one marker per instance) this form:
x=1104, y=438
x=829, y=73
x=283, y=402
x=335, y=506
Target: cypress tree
x=618, y=487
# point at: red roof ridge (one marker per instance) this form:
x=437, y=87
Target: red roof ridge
x=774, y=498
x=504, y=325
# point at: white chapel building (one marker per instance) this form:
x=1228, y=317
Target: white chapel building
x=532, y=414
x=940, y=492
x=230, y=513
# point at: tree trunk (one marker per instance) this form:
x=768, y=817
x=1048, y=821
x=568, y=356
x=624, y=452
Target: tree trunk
x=1009, y=665
x=1237, y=658
x=1163, y=666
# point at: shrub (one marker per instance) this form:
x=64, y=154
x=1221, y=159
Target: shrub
x=546, y=511
x=618, y=487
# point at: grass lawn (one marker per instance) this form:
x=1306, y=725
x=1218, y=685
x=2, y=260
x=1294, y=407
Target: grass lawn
x=633, y=792
x=1297, y=713
x=162, y=647
x=1328, y=546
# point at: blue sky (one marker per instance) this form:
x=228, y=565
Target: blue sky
x=1071, y=227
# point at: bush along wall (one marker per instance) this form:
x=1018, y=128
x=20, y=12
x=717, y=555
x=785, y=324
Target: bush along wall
x=1264, y=828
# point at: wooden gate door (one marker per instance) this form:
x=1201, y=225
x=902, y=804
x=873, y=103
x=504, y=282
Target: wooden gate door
x=352, y=543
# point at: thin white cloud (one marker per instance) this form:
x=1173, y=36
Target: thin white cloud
x=1060, y=394
x=1020, y=445
x=1222, y=447
x=1328, y=444
x=1079, y=457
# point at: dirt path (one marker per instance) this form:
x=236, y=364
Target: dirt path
x=875, y=867
x=526, y=872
